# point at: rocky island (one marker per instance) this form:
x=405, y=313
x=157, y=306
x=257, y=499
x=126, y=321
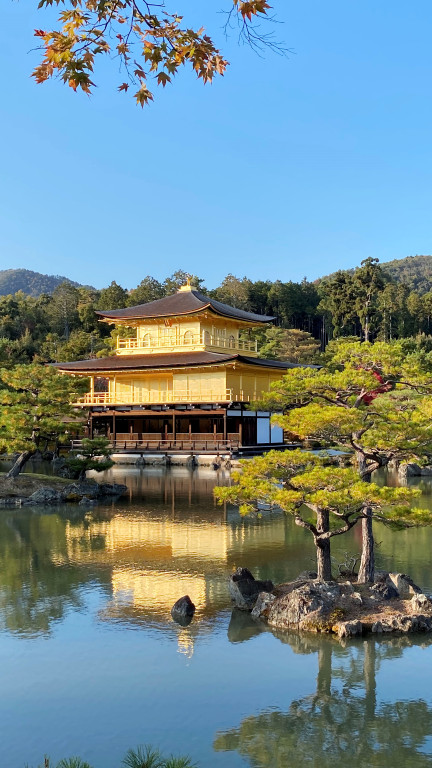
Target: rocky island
x=392, y=604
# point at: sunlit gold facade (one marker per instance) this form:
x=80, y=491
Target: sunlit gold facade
x=184, y=352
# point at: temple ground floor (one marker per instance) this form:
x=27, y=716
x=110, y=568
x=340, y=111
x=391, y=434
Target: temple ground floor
x=183, y=427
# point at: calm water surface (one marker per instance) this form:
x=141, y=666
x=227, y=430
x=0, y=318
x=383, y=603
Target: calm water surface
x=92, y=664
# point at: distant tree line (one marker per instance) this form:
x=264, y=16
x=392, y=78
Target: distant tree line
x=366, y=303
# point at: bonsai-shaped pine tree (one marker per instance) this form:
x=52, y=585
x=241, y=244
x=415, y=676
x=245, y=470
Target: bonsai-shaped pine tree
x=35, y=401
x=93, y=454
x=324, y=499
x=371, y=399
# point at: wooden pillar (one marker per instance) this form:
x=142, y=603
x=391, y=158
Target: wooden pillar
x=225, y=425
x=91, y=426
x=174, y=426
x=241, y=431
x=190, y=429
x=114, y=427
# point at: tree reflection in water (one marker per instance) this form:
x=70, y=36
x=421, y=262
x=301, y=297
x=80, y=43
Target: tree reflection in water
x=342, y=722
x=38, y=582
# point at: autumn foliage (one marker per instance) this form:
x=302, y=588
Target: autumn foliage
x=150, y=43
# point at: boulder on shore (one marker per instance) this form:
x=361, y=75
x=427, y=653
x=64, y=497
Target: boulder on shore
x=45, y=496
x=308, y=606
x=85, y=492
x=403, y=584
x=411, y=469
x=244, y=588
x=77, y=491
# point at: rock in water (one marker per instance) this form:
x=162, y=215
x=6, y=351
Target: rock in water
x=349, y=628
x=409, y=469
x=244, y=588
x=262, y=605
x=183, y=611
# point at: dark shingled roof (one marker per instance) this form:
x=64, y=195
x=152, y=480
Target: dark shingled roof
x=166, y=360
x=182, y=303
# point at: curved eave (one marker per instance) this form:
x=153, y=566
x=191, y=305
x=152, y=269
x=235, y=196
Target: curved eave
x=107, y=317
x=149, y=363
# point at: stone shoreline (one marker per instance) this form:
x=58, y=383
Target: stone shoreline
x=393, y=604
x=29, y=490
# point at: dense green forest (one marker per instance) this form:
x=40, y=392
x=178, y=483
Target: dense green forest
x=367, y=303
x=414, y=271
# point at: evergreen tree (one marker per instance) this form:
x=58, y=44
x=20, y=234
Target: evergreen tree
x=34, y=402
x=289, y=344
x=113, y=297
x=325, y=500
x=149, y=289
x=93, y=454
x=370, y=399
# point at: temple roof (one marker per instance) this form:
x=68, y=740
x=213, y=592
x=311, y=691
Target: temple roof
x=166, y=360
x=186, y=301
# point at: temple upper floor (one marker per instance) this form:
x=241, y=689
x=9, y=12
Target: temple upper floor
x=187, y=321
x=201, y=334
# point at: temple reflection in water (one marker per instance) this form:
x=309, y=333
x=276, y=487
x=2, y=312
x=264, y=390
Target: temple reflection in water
x=166, y=539
x=181, y=543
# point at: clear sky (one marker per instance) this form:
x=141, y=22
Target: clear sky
x=284, y=168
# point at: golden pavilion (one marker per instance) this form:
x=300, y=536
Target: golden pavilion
x=183, y=380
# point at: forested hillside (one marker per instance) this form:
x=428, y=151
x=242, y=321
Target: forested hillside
x=31, y=283
x=368, y=302
x=414, y=271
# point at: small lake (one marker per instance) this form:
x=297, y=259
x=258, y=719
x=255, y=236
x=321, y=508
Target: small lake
x=92, y=664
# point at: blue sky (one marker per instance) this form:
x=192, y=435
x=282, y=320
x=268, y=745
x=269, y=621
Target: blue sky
x=284, y=168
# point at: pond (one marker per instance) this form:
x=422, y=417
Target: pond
x=92, y=664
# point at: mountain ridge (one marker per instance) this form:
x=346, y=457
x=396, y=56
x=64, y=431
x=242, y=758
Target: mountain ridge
x=413, y=271
x=31, y=283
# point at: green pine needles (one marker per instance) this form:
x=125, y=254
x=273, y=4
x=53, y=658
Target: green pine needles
x=93, y=454
x=144, y=756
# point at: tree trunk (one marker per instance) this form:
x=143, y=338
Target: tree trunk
x=367, y=563
x=20, y=463
x=323, y=548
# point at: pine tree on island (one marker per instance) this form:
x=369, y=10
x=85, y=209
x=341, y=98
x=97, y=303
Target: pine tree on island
x=371, y=399
x=325, y=499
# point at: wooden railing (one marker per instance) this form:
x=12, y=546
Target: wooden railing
x=214, y=446
x=164, y=398
x=187, y=341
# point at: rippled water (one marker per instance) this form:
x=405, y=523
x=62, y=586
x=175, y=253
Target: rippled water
x=92, y=664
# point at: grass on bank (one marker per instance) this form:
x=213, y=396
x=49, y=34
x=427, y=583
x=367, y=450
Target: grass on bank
x=27, y=483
